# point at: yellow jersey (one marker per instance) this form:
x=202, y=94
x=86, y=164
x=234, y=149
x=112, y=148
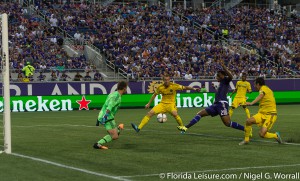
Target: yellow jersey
x=168, y=93
x=242, y=87
x=267, y=104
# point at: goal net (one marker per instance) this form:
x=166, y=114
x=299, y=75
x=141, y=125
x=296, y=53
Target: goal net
x=5, y=138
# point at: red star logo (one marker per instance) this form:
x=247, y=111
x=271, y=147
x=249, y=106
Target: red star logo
x=83, y=103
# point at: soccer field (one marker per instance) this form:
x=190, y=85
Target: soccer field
x=58, y=146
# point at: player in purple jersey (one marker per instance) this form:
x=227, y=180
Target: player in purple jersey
x=220, y=106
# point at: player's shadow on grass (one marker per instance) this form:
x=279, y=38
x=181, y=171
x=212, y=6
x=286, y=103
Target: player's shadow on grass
x=128, y=146
x=292, y=140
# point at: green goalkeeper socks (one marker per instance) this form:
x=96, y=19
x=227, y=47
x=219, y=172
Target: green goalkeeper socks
x=105, y=139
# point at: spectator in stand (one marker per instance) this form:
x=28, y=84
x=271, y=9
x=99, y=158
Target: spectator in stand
x=77, y=77
x=98, y=76
x=64, y=77
x=133, y=32
x=41, y=77
x=77, y=36
x=87, y=77
x=188, y=76
x=88, y=68
x=53, y=75
x=60, y=67
x=20, y=77
x=53, y=21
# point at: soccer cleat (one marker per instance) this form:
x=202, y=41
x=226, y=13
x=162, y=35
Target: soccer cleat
x=98, y=146
x=121, y=126
x=243, y=143
x=183, y=129
x=135, y=127
x=278, y=139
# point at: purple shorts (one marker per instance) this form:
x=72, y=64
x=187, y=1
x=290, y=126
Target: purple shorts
x=218, y=108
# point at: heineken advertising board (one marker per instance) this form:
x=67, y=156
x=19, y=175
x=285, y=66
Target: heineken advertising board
x=95, y=88
x=87, y=102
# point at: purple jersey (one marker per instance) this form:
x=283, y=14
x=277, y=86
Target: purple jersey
x=221, y=94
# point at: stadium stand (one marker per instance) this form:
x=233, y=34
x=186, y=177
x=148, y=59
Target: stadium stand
x=272, y=34
x=32, y=41
x=146, y=41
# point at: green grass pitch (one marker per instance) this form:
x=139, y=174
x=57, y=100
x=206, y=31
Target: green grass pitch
x=63, y=141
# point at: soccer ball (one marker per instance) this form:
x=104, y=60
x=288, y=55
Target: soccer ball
x=161, y=117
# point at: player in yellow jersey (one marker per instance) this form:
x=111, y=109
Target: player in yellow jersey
x=267, y=113
x=167, y=104
x=241, y=89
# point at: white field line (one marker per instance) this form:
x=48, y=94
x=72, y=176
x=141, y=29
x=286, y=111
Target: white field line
x=216, y=170
x=55, y=125
x=54, y=117
x=148, y=175
x=164, y=132
x=70, y=167
x=72, y=116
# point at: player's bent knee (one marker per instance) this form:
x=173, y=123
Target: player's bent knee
x=174, y=114
x=248, y=122
x=262, y=134
x=150, y=114
x=115, y=137
x=226, y=124
x=202, y=113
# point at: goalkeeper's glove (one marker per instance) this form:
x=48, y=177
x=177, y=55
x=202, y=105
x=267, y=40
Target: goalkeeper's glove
x=104, y=119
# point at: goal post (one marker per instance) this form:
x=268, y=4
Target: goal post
x=5, y=85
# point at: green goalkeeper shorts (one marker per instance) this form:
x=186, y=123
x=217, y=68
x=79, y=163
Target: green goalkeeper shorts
x=110, y=124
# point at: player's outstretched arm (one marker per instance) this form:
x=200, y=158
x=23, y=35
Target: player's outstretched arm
x=229, y=74
x=191, y=88
x=234, y=91
x=258, y=98
x=150, y=101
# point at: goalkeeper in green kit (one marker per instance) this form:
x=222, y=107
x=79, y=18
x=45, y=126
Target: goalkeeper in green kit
x=107, y=114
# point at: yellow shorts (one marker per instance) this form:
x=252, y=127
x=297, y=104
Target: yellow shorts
x=164, y=108
x=265, y=120
x=238, y=101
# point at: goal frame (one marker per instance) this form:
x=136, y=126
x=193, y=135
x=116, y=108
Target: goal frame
x=6, y=84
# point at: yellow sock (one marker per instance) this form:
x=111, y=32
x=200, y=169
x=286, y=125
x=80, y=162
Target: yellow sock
x=230, y=112
x=179, y=121
x=270, y=135
x=144, y=121
x=247, y=112
x=248, y=130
